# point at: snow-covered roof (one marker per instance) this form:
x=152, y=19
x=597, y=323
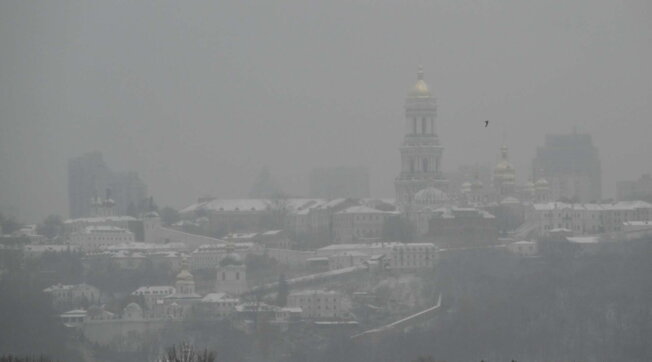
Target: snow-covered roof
x=314, y=292
x=621, y=205
x=332, y=203
x=241, y=236
x=153, y=289
x=452, y=212
x=361, y=209
x=99, y=220
x=292, y=309
x=66, y=287
x=637, y=223
x=219, y=247
x=272, y=232
x=524, y=242
x=74, y=313
x=50, y=247
x=218, y=297
x=105, y=229
x=252, y=204
x=138, y=245
x=584, y=239
x=350, y=253
x=360, y=246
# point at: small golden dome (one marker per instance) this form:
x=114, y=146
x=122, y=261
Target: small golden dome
x=504, y=168
x=420, y=89
x=184, y=274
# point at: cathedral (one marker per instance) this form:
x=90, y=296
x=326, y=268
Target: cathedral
x=421, y=151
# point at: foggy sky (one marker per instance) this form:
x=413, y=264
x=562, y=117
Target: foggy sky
x=199, y=96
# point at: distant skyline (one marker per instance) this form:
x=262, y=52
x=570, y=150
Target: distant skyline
x=198, y=98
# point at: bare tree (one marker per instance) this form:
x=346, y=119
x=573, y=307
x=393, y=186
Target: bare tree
x=186, y=352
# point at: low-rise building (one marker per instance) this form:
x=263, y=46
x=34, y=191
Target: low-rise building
x=218, y=305
x=359, y=223
x=72, y=295
x=346, y=259
x=124, y=222
x=209, y=256
x=462, y=227
x=275, y=239
x=319, y=304
x=412, y=256
x=99, y=237
x=523, y=248
x=154, y=293
x=586, y=219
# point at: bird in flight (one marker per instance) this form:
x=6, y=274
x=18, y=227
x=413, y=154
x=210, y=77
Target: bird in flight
x=486, y=123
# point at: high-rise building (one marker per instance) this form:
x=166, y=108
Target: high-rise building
x=89, y=178
x=571, y=166
x=129, y=193
x=339, y=182
x=421, y=151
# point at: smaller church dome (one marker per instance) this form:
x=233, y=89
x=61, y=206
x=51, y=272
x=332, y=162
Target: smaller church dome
x=541, y=183
x=132, y=311
x=231, y=259
x=504, y=171
x=184, y=274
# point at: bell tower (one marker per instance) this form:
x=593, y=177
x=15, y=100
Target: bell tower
x=421, y=151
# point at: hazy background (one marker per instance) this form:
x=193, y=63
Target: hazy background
x=199, y=96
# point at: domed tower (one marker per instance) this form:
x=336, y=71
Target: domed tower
x=504, y=175
x=420, y=152
x=231, y=273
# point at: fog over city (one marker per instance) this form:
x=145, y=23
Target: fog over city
x=199, y=97
x=384, y=181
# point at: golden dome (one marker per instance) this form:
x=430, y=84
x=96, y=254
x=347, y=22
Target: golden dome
x=420, y=89
x=184, y=274
x=504, y=168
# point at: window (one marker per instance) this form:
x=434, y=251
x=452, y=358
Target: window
x=425, y=165
x=423, y=125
